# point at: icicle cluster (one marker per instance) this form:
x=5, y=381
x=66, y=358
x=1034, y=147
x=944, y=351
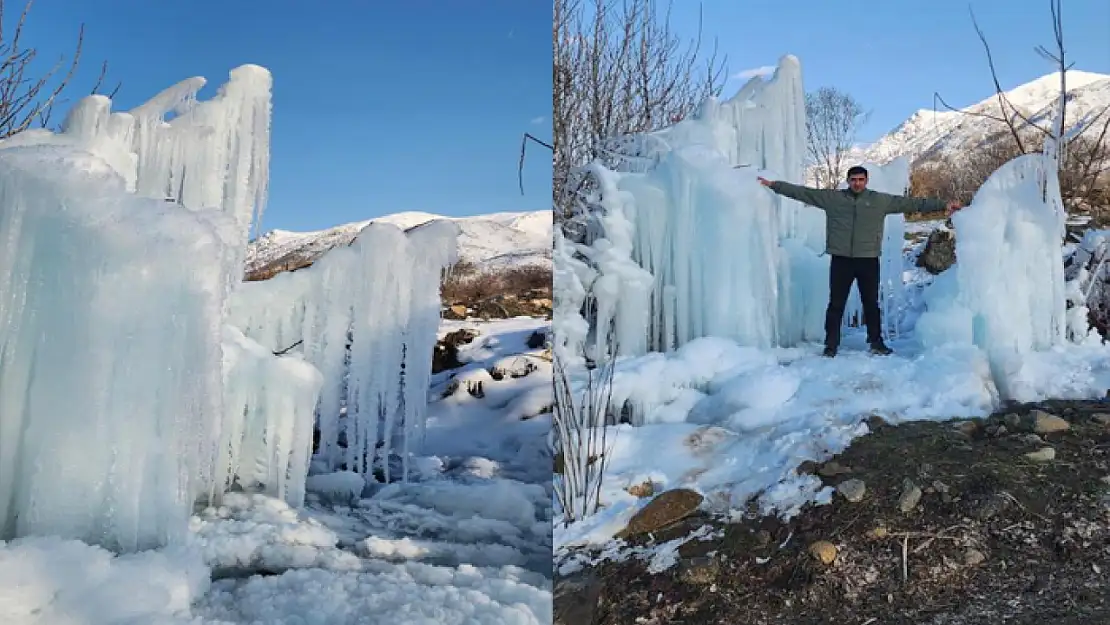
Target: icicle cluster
x=366, y=317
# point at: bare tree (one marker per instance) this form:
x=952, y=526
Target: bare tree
x=1082, y=169
x=27, y=99
x=619, y=69
x=832, y=120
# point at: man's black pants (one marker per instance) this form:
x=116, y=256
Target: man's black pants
x=865, y=273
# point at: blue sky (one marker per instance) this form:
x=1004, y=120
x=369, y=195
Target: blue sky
x=892, y=55
x=379, y=107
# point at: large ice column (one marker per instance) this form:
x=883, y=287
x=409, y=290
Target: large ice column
x=366, y=316
x=1006, y=292
x=706, y=233
x=270, y=411
x=893, y=178
x=110, y=381
x=111, y=308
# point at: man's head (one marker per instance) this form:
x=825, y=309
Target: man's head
x=857, y=179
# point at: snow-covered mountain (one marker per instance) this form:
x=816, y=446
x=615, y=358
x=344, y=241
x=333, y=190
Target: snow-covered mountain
x=489, y=241
x=943, y=134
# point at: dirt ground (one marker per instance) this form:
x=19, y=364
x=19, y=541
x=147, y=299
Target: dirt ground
x=989, y=535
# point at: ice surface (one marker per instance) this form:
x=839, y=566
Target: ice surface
x=366, y=317
x=1006, y=293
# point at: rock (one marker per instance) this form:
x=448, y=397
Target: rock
x=939, y=253
x=833, y=468
x=824, y=551
x=911, y=495
x=1044, y=423
x=968, y=428
x=875, y=422
x=973, y=557
x=879, y=532
x=1044, y=454
x=853, y=490
x=536, y=340
x=643, y=490
x=1012, y=421
x=699, y=571
x=1101, y=418
x=940, y=486
x=1032, y=439
x=577, y=599
x=446, y=353
x=459, y=311
x=996, y=430
x=665, y=510
x=808, y=467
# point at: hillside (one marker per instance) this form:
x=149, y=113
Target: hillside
x=491, y=242
x=943, y=134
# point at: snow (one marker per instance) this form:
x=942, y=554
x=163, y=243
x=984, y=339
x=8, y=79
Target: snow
x=729, y=394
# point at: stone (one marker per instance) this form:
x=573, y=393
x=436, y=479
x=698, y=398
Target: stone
x=643, y=490
x=911, y=495
x=1045, y=423
x=459, y=310
x=853, y=490
x=968, y=428
x=1101, y=418
x=939, y=252
x=699, y=571
x=876, y=422
x=1044, y=454
x=879, y=532
x=808, y=467
x=824, y=551
x=1012, y=421
x=974, y=557
x=668, y=508
x=577, y=599
x=833, y=468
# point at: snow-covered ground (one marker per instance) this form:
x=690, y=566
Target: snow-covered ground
x=467, y=542
x=734, y=422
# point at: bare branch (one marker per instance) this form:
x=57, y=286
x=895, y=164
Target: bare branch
x=520, y=167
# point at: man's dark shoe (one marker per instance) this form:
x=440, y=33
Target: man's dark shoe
x=830, y=352
x=880, y=349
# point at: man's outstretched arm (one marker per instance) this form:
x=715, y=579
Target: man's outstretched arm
x=819, y=198
x=905, y=204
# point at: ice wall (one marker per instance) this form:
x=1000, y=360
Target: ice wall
x=366, y=316
x=112, y=307
x=722, y=255
x=1006, y=292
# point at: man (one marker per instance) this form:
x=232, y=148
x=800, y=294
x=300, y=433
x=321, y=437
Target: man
x=854, y=220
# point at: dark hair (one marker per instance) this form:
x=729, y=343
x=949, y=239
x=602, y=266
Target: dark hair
x=856, y=170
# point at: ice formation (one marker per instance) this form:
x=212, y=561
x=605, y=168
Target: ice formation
x=124, y=237
x=722, y=255
x=366, y=317
x=1006, y=293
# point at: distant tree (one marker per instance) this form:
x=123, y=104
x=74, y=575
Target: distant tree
x=28, y=94
x=619, y=69
x=833, y=118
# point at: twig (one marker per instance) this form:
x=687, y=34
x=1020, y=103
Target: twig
x=520, y=167
x=288, y=349
x=905, y=559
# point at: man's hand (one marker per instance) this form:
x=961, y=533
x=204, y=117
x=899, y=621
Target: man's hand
x=765, y=182
x=952, y=208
